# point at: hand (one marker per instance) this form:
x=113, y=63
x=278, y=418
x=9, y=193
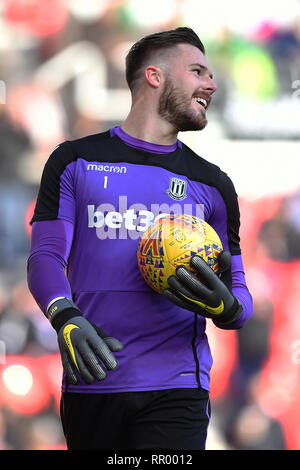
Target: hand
x=211, y=296
x=83, y=345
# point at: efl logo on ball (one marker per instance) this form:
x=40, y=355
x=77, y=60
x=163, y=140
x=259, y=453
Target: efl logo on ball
x=171, y=242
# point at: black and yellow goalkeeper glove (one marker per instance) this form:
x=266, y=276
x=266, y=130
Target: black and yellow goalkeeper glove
x=211, y=296
x=82, y=345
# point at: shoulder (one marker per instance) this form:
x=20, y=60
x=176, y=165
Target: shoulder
x=71, y=150
x=89, y=142
x=207, y=172
x=200, y=165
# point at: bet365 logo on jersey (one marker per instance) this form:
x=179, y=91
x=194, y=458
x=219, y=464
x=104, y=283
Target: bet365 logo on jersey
x=130, y=222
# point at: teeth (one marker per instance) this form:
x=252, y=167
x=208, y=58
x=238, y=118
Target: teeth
x=202, y=101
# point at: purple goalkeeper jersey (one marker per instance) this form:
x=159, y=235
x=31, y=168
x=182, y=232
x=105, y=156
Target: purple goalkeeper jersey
x=98, y=195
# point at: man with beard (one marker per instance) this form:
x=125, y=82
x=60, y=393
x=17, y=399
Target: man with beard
x=136, y=363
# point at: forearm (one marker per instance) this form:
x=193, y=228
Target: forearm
x=50, y=246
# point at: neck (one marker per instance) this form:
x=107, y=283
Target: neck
x=148, y=126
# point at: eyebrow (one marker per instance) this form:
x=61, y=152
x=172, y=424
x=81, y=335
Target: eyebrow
x=202, y=67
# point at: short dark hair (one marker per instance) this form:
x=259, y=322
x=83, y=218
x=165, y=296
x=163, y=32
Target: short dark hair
x=143, y=49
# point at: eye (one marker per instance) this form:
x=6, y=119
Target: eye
x=197, y=71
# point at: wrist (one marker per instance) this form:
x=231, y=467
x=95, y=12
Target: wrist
x=60, y=311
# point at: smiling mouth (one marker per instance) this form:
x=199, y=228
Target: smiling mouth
x=201, y=101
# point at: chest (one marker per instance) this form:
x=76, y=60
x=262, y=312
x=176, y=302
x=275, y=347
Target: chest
x=140, y=189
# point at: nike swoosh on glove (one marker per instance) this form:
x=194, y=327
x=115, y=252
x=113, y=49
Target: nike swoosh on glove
x=85, y=349
x=207, y=293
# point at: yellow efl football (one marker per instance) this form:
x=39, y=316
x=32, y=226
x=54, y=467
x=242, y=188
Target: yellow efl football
x=171, y=242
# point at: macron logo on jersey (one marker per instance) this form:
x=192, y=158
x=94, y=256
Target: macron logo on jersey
x=106, y=168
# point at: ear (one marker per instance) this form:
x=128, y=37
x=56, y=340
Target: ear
x=153, y=76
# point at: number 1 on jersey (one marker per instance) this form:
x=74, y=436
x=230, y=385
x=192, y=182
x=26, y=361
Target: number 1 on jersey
x=105, y=181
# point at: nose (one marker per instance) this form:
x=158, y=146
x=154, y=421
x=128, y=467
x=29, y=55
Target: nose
x=210, y=85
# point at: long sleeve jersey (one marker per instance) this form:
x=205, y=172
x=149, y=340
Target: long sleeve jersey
x=97, y=196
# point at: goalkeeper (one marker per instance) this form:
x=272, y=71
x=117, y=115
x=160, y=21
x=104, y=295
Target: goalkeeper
x=137, y=364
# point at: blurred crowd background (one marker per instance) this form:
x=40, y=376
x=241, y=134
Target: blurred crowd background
x=62, y=77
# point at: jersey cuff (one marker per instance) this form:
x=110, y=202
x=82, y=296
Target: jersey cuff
x=59, y=305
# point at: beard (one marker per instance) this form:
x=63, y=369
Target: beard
x=175, y=107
